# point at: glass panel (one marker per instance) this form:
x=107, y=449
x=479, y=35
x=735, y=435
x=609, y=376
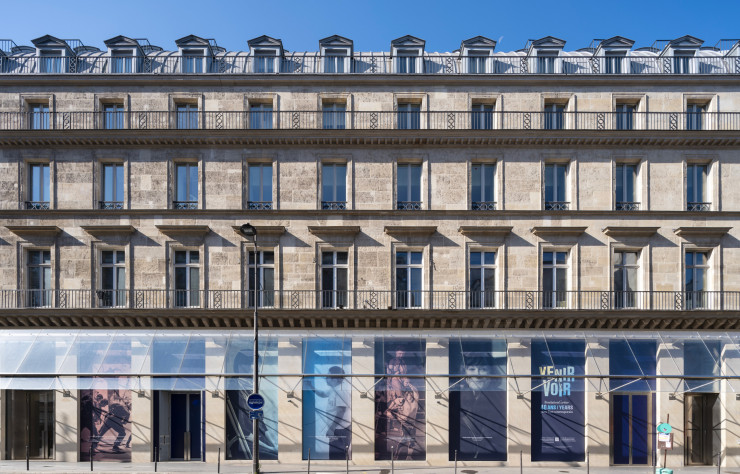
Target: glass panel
x=327, y=183
x=107, y=278
x=403, y=183
x=621, y=427
x=193, y=185
x=340, y=180
x=327, y=258
x=701, y=180
x=636, y=358
x=402, y=258
x=107, y=256
x=549, y=183
x=476, y=183
x=547, y=258
x=620, y=183
x=489, y=258
x=180, y=256
x=488, y=173
x=629, y=183
x=194, y=256
x=560, y=170
x=181, y=282
x=45, y=184
x=342, y=258
x=415, y=171
x=640, y=425
x=475, y=258
x=561, y=257
x=182, y=183
x=415, y=258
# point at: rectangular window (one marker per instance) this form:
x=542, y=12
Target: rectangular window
x=334, y=279
x=625, y=188
x=625, y=279
x=265, y=279
x=187, y=116
x=186, y=186
x=482, y=280
x=260, y=116
x=681, y=64
x=409, y=116
x=408, y=279
x=187, y=278
x=546, y=63
x=112, y=186
x=696, y=188
x=334, y=116
x=477, y=62
x=38, y=116
x=335, y=62
x=406, y=63
x=482, y=187
x=695, y=116
x=625, y=116
x=554, y=117
x=121, y=62
x=264, y=63
x=38, y=186
x=409, y=187
x=112, y=278
x=333, y=186
x=695, y=284
x=260, y=186
x=38, y=267
x=52, y=62
x=192, y=63
x=113, y=116
x=554, y=279
x=555, y=187
x=481, y=117
x=613, y=63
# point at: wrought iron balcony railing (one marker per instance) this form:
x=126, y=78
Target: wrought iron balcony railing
x=380, y=120
x=698, y=206
x=484, y=205
x=408, y=205
x=239, y=63
x=334, y=205
x=557, y=205
x=259, y=205
x=184, y=204
x=37, y=205
x=110, y=204
x=628, y=206
x=373, y=300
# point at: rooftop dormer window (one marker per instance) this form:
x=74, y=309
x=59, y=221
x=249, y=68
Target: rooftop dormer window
x=192, y=61
x=51, y=61
x=121, y=61
x=336, y=52
x=408, y=53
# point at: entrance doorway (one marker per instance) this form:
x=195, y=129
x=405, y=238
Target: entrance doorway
x=30, y=422
x=631, y=428
x=702, y=415
x=178, y=425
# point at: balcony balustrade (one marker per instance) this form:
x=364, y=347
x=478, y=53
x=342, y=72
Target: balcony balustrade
x=177, y=300
x=379, y=120
x=239, y=63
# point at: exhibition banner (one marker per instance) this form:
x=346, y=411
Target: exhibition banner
x=558, y=417
x=327, y=414
x=400, y=400
x=477, y=400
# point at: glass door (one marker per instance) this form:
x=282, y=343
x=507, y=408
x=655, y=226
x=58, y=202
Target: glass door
x=185, y=416
x=30, y=422
x=631, y=428
x=700, y=413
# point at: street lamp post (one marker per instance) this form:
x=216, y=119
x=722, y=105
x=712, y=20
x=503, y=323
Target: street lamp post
x=249, y=231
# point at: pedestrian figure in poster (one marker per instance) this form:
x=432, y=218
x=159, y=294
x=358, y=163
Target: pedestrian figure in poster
x=404, y=410
x=116, y=417
x=334, y=411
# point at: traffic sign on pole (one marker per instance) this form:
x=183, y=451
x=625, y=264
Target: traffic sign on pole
x=255, y=401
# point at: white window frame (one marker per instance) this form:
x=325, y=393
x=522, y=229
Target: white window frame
x=623, y=297
x=483, y=205
x=697, y=299
x=188, y=290
x=334, y=300
x=260, y=205
x=553, y=302
x=622, y=205
x=485, y=297
x=556, y=205
x=115, y=294
x=178, y=204
x=408, y=298
x=264, y=299
x=38, y=205
x=41, y=297
x=691, y=175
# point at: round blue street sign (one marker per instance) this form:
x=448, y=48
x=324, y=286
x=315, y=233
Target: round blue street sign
x=255, y=401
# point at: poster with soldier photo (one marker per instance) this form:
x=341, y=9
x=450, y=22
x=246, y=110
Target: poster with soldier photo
x=105, y=410
x=478, y=400
x=327, y=400
x=400, y=400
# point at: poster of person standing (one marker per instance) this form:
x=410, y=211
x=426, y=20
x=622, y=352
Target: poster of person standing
x=477, y=400
x=327, y=414
x=400, y=400
x=238, y=425
x=558, y=419
x=105, y=410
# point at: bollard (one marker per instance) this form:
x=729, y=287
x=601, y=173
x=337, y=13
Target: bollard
x=218, y=464
x=309, y=461
x=521, y=462
x=393, y=470
x=156, y=457
x=719, y=461
x=346, y=455
x=28, y=458
x=456, y=461
x=91, y=459
x=588, y=463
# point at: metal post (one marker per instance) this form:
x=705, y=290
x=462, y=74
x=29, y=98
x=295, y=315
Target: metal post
x=456, y=461
x=91, y=459
x=393, y=470
x=719, y=461
x=28, y=458
x=346, y=455
x=218, y=464
x=255, y=382
x=521, y=462
x=308, y=471
x=588, y=463
x=156, y=457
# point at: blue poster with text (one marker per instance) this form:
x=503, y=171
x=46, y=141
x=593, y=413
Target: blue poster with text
x=558, y=431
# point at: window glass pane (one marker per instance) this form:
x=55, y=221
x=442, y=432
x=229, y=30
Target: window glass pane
x=488, y=172
x=342, y=279
x=268, y=276
x=120, y=256
x=489, y=258
x=415, y=279
x=181, y=278
x=618, y=279
x=547, y=280
x=700, y=258
x=194, y=256
x=701, y=179
x=401, y=258
x=120, y=278
x=549, y=183
x=340, y=179
x=562, y=279
x=475, y=279
x=620, y=183
x=561, y=257
x=108, y=182
x=547, y=258
x=327, y=279
x=415, y=182
x=415, y=258
x=489, y=279
x=342, y=258
x=268, y=258
x=401, y=279
x=194, y=279
x=560, y=183
x=107, y=256
x=193, y=189
x=327, y=258
x=630, y=258
x=689, y=259
x=475, y=258
x=629, y=183
x=107, y=278
x=327, y=182
x=403, y=182
x=182, y=183
x=180, y=256
x=476, y=183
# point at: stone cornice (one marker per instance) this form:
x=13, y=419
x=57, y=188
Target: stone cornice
x=334, y=230
x=103, y=230
x=263, y=230
x=628, y=231
x=369, y=138
x=710, y=232
x=488, y=230
x=34, y=230
x=410, y=230
x=555, y=231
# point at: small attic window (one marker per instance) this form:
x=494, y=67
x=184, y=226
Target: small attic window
x=192, y=61
x=408, y=61
x=264, y=60
x=52, y=61
x=121, y=61
x=336, y=61
x=613, y=61
x=477, y=61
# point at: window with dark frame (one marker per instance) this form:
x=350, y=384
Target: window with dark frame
x=333, y=186
x=482, y=191
x=265, y=279
x=112, y=186
x=696, y=188
x=556, y=187
x=187, y=278
x=334, y=279
x=625, y=179
x=186, y=186
x=260, y=186
x=408, y=187
x=112, y=278
x=38, y=186
x=408, y=279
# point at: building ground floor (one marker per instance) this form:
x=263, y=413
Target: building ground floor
x=415, y=398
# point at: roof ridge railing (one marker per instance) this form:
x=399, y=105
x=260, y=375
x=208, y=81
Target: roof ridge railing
x=7, y=45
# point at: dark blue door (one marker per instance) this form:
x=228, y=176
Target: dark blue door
x=631, y=428
x=185, y=416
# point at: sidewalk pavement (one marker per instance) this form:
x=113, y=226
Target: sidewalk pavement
x=338, y=468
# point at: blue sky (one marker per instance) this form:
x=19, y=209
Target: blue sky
x=371, y=24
